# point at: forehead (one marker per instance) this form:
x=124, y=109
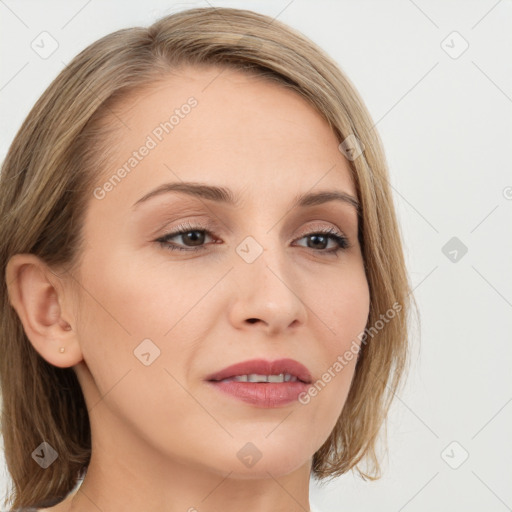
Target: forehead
x=224, y=127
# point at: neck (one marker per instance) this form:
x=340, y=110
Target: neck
x=127, y=473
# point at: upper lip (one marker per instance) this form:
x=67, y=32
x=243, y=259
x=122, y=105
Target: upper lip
x=264, y=367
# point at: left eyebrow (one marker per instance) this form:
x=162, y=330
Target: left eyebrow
x=315, y=198
x=225, y=195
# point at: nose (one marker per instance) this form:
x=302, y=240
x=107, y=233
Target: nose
x=268, y=297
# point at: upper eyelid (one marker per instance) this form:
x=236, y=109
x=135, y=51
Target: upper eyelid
x=210, y=229
x=339, y=218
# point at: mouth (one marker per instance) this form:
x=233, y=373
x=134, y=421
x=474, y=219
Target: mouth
x=263, y=371
x=262, y=383
x=254, y=377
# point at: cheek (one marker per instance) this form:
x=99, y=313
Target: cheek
x=343, y=306
x=133, y=313
x=127, y=298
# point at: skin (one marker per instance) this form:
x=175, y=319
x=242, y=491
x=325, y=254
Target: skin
x=162, y=439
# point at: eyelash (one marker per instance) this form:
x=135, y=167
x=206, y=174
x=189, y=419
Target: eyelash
x=341, y=241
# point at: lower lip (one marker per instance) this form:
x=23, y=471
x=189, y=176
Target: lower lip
x=263, y=394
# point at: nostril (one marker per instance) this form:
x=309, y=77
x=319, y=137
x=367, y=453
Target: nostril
x=252, y=320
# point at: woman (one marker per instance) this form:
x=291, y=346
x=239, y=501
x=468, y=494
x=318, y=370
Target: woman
x=205, y=294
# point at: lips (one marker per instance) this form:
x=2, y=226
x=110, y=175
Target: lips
x=264, y=367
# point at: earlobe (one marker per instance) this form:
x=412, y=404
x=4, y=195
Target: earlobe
x=38, y=298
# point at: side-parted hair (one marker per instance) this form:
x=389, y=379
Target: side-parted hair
x=46, y=183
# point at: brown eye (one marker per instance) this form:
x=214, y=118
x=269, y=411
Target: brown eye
x=192, y=238
x=319, y=240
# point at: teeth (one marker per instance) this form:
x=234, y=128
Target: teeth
x=254, y=377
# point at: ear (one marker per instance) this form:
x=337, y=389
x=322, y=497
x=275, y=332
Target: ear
x=38, y=296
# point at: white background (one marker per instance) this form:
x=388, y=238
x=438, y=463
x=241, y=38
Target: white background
x=446, y=125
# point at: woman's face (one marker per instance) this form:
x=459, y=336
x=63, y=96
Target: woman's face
x=248, y=280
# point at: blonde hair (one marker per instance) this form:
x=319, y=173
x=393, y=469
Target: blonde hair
x=46, y=182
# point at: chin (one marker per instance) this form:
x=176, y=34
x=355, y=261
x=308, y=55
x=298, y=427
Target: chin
x=248, y=463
